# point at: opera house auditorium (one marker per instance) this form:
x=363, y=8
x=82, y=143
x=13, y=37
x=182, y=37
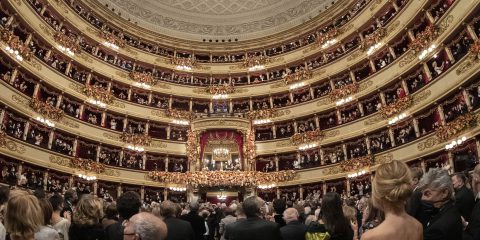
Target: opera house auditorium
x=239, y=119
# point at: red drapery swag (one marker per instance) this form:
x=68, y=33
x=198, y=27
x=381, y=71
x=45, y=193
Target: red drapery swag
x=222, y=135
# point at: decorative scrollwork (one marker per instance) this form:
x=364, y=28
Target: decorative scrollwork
x=46, y=110
x=10, y=145
x=220, y=89
x=263, y=113
x=429, y=143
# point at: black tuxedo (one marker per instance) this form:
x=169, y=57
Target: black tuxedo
x=197, y=223
x=464, y=201
x=416, y=208
x=473, y=229
x=294, y=230
x=178, y=229
x=253, y=229
x=444, y=225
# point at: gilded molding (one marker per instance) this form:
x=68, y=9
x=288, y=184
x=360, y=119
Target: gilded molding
x=69, y=123
x=421, y=96
x=77, y=87
x=18, y=2
x=284, y=143
x=354, y=56
x=428, y=143
x=10, y=145
x=111, y=172
x=65, y=162
x=109, y=136
x=331, y=133
x=22, y=101
x=46, y=29
x=118, y=104
x=36, y=65
x=445, y=24
x=385, y=158
x=324, y=101
x=466, y=66
x=393, y=27
x=332, y=170
x=159, y=145
x=86, y=58
x=158, y=113
x=375, y=4
x=365, y=85
x=121, y=74
x=377, y=118
x=222, y=122
x=409, y=57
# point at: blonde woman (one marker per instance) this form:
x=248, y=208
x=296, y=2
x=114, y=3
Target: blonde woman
x=86, y=220
x=392, y=187
x=23, y=216
x=472, y=230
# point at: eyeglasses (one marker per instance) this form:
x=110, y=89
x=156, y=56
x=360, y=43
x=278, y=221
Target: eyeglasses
x=129, y=234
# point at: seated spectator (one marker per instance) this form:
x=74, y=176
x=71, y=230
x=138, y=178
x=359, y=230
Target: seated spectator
x=20, y=205
x=392, y=187
x=294, y=230
x=145, y=226
x=444, y=221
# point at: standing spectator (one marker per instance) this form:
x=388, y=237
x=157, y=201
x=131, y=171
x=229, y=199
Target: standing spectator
x=197, y=222
x=177, y=229
x=253, y=228
x=128, y=204
x=472, y=230
x=71, y=198
x=336, y=224
x=444, y=222
x=86, y=220
x=4, y=192
x=294, y=230
x=391, y=188
x=111, y=215
x=279, y=206
x=20, y=205
x=144, y=226
x=228, y=219
x=61, y=224
x=464, y=199
x=46, y=232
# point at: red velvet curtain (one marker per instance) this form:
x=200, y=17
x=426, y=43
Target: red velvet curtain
x=224, y=135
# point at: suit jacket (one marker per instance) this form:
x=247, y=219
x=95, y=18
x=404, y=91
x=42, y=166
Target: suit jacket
x=114, y=231
x=464, y=201
x=444, y=225
x=223, y=224
x=294, y=230
x=472, y=232
x=416, y=209
x=253, y=228
x=197, y=223
x=178, y=229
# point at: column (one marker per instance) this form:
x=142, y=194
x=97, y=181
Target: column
x=392, y=137
x=317, y=122
x=144, y=160
x=322, y=157
x=423, y=165
x=301, y=192
x=142, y=193
x=45, y=180
x=277, y=160
x=95, y=188
x=25, y=131
x=278, y=193
x=450, y=162
x=166, y=164
x=344, y=146
x=270, y=98
x=169, y=128
x=50, y=139
x=441, y=114
x=367, y=143
x=416, y=128
x=360, y=107
x=467, y=99
x=348, y=187
x=99, y=149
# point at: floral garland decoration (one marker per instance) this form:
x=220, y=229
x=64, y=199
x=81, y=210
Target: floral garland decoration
x=136, y=139
x=373, y=38
x=180, y=114
x=220, y=89
x=192, y=144
x=111, y=38
x=254, y=60
x=16, y=44
x=347, y=90
x=475, y=50
x=424, y=39
x=140, y=77
x=46, y=110
x=98, y=93
x=310, y=136
x=262, y=113
x=453, y=128
x=250, y=148
x=298, y=76
x=355, y=164
x=323, y=38
x=190, y=62
x=396, y=107
x=87, y=165
x=222, y=178
x=67, y=42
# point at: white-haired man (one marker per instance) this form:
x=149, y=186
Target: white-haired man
x=144, y=226
x=294, y=230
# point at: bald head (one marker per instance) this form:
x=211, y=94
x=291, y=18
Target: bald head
x=290, y=214
x=145, y=226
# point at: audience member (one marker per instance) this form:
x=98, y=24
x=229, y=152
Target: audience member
x=392, y=187
x=279, y=205
x=128, y=204
x=197, y=222
x=444, y=220
x=111, y=215
x=71, y=198
x=4, y=192
x=61, y=224
x=472, y=228
x=177, y=229
x=228, y=219
x=464, y=199
x=253, y=228
x=332, y=217
x=86, y=220
x=144, y=226
x=46, y=232
x=20, y=205
x=294, y=230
